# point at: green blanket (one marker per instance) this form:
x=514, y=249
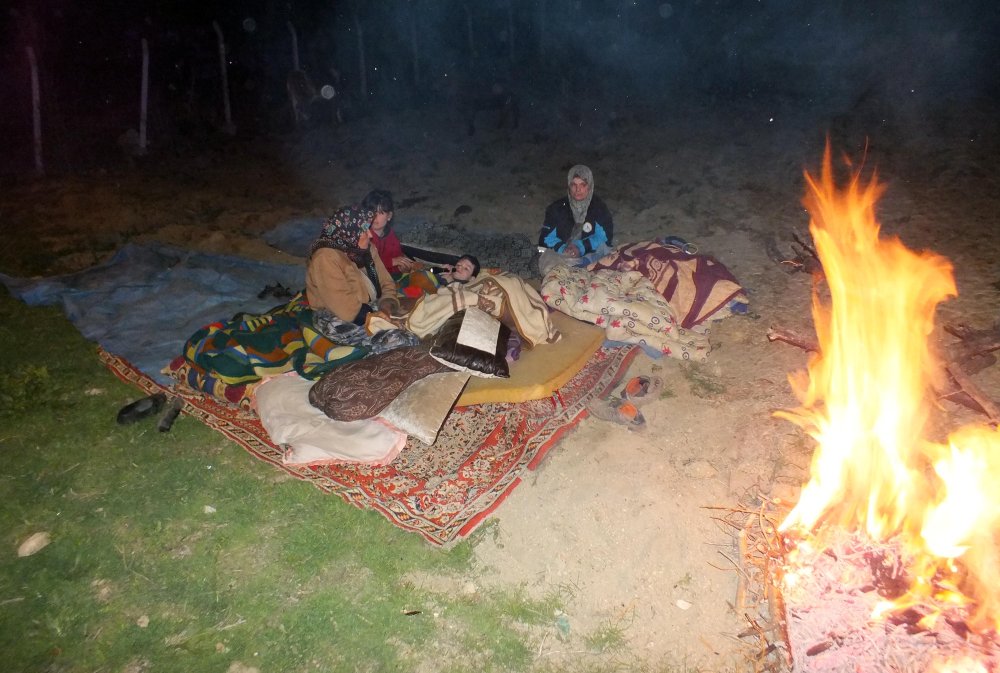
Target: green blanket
x=231, y=354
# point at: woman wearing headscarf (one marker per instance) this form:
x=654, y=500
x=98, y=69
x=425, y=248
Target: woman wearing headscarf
x=578, y=226
x=343, y=275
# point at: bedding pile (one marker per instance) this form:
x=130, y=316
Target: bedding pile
x=651, y=294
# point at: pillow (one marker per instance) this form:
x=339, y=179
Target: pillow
x=363, y=388
x=406, y=387
x=312, y=438
x=473, y=341
x=420, y=410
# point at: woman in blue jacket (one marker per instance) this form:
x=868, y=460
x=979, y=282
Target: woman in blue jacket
x=578, y=226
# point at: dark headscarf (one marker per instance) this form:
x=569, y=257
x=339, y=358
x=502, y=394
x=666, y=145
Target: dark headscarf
x=342, y=231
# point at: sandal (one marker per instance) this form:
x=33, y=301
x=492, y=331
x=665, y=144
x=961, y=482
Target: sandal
x=618, y=411
x=642, y=389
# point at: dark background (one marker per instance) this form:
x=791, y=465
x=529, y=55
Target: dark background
x=899, y=66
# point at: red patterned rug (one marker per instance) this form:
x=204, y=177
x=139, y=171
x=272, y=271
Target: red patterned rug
x=442, y=491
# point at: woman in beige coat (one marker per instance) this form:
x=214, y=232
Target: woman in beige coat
x=343, y=275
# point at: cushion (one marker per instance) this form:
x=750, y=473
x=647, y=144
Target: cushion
x=420, y=410
x=362, y=389
x=473, y=341
x=310, y=437
x=406, y=387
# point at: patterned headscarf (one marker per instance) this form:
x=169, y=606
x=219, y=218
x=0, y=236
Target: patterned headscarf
x=579, y=208
x=342, y=231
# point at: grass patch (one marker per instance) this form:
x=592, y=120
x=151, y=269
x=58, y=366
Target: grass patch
x=607, y=638
x=703, y=383
x=178, y=552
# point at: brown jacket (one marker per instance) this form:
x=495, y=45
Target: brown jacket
x=334, y=282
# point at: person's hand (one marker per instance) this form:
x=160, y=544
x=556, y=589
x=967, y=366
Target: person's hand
x=403, y=263
x=571, y=251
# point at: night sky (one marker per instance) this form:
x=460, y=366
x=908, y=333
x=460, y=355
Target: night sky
x=900, y=60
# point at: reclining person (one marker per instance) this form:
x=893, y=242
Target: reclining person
x=465, y=269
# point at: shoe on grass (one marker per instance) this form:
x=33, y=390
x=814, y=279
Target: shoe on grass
x=170, y=414
x=140, y=409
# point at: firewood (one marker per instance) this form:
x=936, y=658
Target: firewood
x=778, y=334
x=958, y=387
x=988, y=406
x=973, y=350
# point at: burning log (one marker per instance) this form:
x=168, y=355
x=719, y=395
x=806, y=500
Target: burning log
x=973, y=351
x=803, y=257
x=959, y=387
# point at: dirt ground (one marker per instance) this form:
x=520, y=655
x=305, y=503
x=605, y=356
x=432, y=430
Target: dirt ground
x=617, y=521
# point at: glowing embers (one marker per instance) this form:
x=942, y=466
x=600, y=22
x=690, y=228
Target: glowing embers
x=831, y=593
x=865, y=401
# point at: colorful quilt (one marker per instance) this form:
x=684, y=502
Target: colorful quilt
x=223, y=357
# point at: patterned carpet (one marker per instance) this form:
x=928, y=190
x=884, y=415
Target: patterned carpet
x=444, y=491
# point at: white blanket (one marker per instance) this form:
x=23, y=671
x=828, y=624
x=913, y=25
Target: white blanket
x=311, y=437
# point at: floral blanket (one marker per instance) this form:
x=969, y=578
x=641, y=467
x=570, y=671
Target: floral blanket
x=697, y=286
x=627, y=306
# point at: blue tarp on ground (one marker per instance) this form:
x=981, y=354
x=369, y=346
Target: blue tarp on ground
x=295, y=237
x=144, y=302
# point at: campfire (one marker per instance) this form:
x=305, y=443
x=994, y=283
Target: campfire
x=891, y=558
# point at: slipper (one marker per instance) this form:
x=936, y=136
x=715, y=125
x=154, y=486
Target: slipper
x=619, y=411
x=140, y=409
x=641, y=389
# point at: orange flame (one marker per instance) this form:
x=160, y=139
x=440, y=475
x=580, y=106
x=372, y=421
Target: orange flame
x=865, y=401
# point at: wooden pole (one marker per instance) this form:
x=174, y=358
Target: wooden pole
x=542, y=26
x=510, y=30
x=469, y=33
x=414, y=47
x=362, y=67
x=295, y=46
x=229, y=128
x=144, y=97
x=36, y=112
